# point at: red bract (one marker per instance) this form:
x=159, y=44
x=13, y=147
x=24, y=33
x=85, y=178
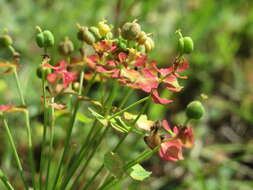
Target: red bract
x=106, y=46
x=4, y=108
x=157, y=99
x=60, y=72
x=185, y=135
x=171, y=150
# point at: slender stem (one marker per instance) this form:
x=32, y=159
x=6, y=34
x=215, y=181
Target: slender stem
x=129, y=92
x=51, y=125
x=96, y=143
x=121, y=140
x=69, y=133
x=93, y=177
x=14, y=150
x=19, y=87
x=143, y=156
x=5, y=181
x=80, y=156
x=128, y=107
x=28, y=128
x=108, y=103
x=186, y=122
x=44, y=129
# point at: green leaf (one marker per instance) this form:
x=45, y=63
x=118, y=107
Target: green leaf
x=83, y=118
x=114, y=164
x=139, y=173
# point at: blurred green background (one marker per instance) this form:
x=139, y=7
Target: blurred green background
x=220, y=67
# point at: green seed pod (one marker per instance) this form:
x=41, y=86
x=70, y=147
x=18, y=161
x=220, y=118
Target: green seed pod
x=180, y=45
x=41, y=70
x=95, y=31
x=40, y=40
x=103, y=28
x=142, y=37
x=85, y=35
x=195, y=110
x=66, y=47
x=5, y=41
x=188, y=45
x=131, y=30
x=48, y=38
x=149, y=44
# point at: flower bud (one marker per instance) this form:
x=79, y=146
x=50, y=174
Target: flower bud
x=103, y=28
x=188, y=45
x=195, y=110
x=85, y=35
x=149, y=44
x=131, y=30
x=95, y=31
x=66, y=47
x=42, y=70
x=48, y=38
x=5, y=41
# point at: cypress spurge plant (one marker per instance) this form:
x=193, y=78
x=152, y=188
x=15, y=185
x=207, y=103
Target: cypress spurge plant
x=115, y=62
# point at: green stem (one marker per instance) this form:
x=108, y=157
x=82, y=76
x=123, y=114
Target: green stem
x=28, y=128
x=118, y=145
x=129, y=92
x=19, y=87
x=14, y=150
x=44, y=129
x=96, y=143
x=69, y=133
x=51, y=125
x=108, y=103
x=142, y=157
x=5, y=181
x=93, y=177
x=80, y=156
x=128, y=107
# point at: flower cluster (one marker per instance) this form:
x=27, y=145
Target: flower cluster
x=132, y=68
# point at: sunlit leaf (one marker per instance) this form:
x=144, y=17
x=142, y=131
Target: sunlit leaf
x=139, y=173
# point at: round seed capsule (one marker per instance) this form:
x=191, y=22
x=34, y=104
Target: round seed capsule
x=195, y=110
x=131, y=30
x=40, y=40
x=5, y=40
x=66, y=47
x=142, y=38
x=85, y=35
x=48, y=38
x=149, y=44
x=95, y=31
x=188, y=45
